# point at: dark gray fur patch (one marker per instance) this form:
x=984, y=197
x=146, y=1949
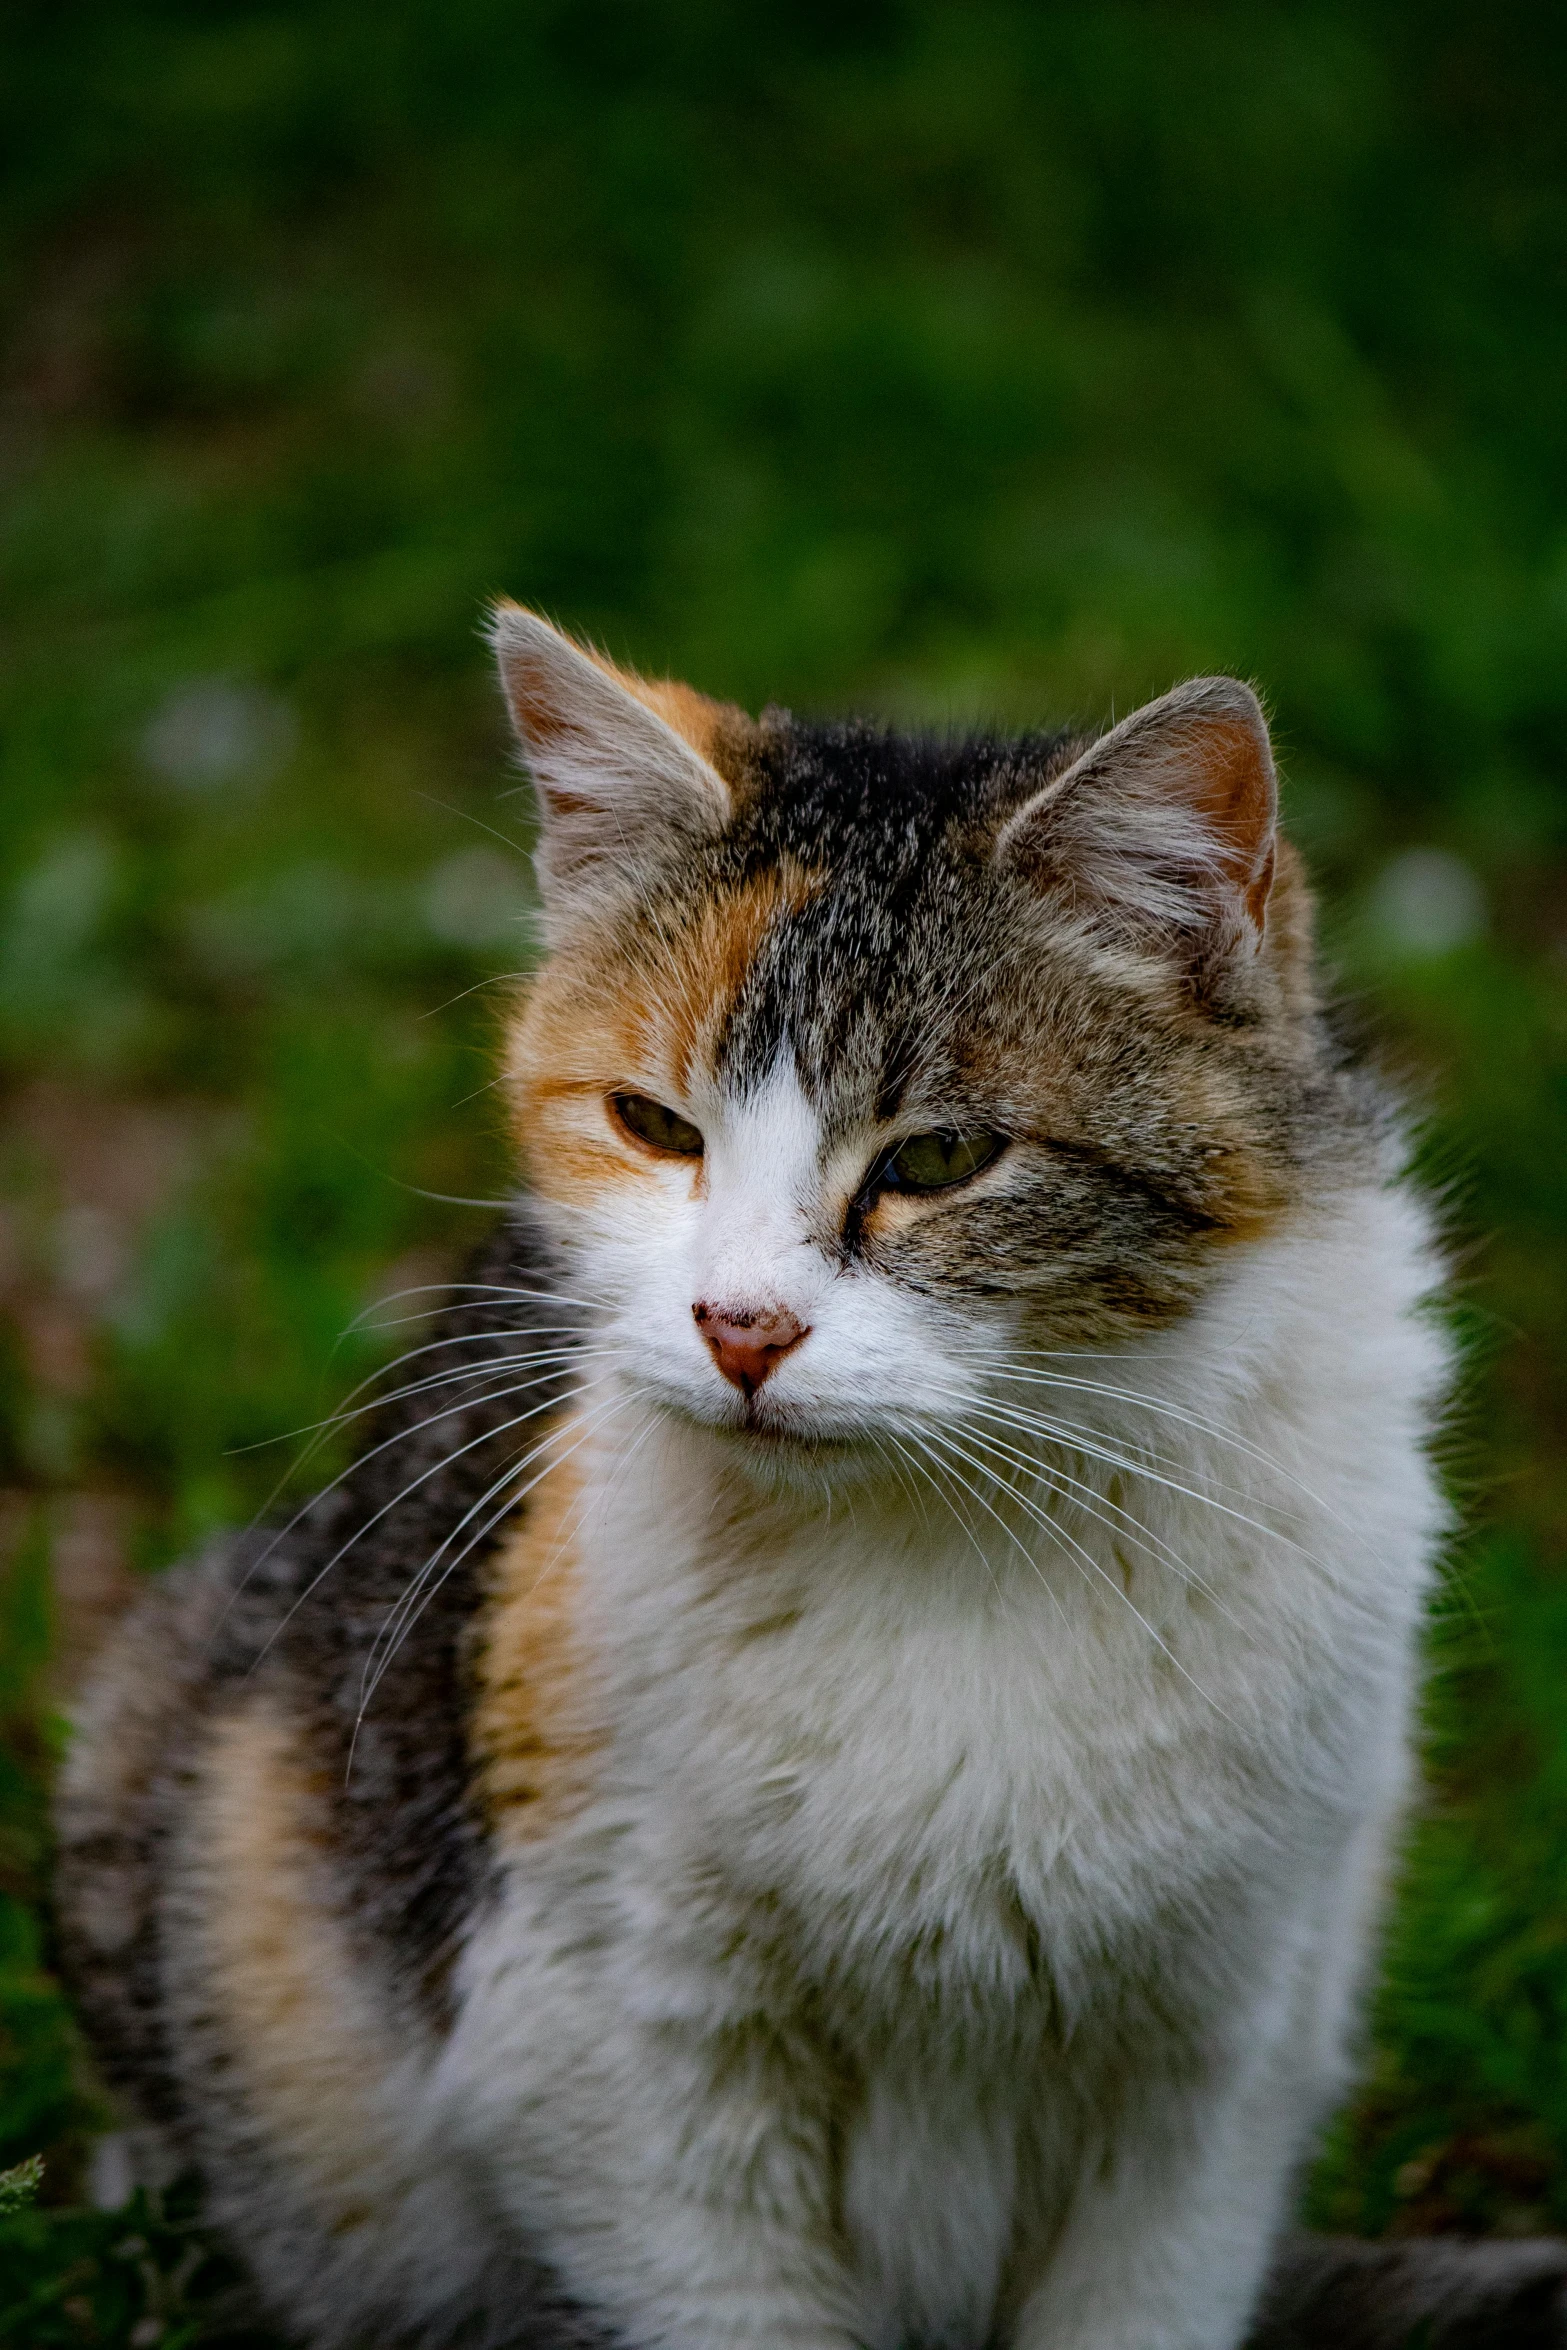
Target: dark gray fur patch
x=273, y=1608
x=412, y=1839
x=861, y=979
x=1331, y=2293
x=154, y=1688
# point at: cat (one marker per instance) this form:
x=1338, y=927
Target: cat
x=826, y=1779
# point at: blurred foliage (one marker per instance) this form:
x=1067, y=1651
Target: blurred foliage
x=142, y=2276
x=994, y=360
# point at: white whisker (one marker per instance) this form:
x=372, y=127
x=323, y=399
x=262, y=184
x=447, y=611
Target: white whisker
x=1086, y=1556
x=1081, y=1495
x=1173, y=1412
x=1010, y=1532
x=484, y=1436
x=1094, y=1448
x=407, y=1610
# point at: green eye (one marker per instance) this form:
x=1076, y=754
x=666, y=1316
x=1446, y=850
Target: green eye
x=930, y=1162
x=661, y=1129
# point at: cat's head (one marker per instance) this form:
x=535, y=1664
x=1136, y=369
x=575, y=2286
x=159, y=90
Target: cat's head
x=863, y=1062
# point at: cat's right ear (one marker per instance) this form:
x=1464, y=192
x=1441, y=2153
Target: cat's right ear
x=1164, y=830
x=620, y=786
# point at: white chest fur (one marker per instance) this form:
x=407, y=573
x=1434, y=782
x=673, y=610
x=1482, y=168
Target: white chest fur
x=970, y=1784
x=866, y=1696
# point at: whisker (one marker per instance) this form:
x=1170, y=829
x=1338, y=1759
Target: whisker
x=398, y=1615
x=495, y=979
x=414, y=1602
x=450, y=1412
x=498, y=1329
x=471, y=1372
x=321, y=1429
x=1080, y=1441
x=913, y=1485
x=1010, y=1532
x=974, y=1542
x=1174, y=1412
x=451, y=1289
x=584, y=1499
x=1088, y=1559
x=349, y=1410
x=1084, y=1496
x=1145, y=1449
x=398, y=1436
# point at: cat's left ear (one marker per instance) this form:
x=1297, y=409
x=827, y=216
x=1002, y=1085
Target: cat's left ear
x=616, y=761
x=1166, y=826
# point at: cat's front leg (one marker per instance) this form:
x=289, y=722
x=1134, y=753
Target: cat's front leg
x=1165, y=2249
x=1177, y=2210
x=679, y=2178
x=714, y=2226
x=1168, y=2235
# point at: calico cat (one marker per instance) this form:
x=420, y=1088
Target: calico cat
x=827, y=1777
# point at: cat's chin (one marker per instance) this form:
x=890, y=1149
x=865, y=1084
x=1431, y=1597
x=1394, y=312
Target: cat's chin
x=789, y=1463
x=775, y=1437
x=778, y=1445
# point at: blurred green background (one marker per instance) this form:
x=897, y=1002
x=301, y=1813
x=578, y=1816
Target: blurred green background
x=979, y=361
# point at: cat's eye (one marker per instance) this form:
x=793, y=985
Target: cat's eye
x=660, y=1128
x=931, y=1162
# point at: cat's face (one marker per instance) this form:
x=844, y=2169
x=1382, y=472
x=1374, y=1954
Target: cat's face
x=863, y=1066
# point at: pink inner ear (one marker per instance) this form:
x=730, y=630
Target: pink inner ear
x=1234, y=791
x=1165, y=824
x=1257, y=895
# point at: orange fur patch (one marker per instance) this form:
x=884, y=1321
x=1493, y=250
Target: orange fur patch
x=640, y=1015
x=717, y=731
x=709, y=969
x=533, y=1732
x=302, y=2019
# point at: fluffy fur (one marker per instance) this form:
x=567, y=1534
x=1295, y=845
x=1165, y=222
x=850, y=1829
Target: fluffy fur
x=883, y=1856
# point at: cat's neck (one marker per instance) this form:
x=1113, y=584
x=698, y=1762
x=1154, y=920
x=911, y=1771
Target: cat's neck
x=684, y=1525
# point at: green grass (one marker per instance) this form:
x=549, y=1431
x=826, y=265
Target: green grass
x=1000, y=360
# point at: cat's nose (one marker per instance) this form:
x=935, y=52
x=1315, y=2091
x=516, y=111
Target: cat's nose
x=748, y=1342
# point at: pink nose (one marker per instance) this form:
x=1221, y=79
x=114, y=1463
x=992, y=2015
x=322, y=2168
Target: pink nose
x=748, y=1342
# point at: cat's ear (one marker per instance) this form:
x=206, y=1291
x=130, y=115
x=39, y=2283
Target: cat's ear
x=1165, y=828
x=616, y=761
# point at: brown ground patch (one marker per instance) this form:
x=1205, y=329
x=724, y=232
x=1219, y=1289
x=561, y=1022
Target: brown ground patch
x=81, y=1175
